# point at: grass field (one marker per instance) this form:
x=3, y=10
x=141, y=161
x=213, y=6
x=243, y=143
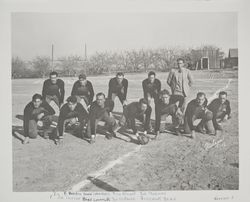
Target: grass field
x=168, y=163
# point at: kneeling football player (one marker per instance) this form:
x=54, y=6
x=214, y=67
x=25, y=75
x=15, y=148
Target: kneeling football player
x=197, y=109
x=168, y=105
x=100, y=110
x=72, y=117
x=137, y=110
x=37, y=118
x=221, y=109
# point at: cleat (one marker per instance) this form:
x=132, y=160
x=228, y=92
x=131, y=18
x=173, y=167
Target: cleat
x=193, y=134
x=109, y=136
x=156, y=135
x=59, y=141
x=46, y=135
x=26, y=140
x=92, y=139
x=113, y=134
x=219, y=127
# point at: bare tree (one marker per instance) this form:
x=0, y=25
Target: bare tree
x=41, y=65
x=145, y=58
x=18, y=68
x=134, y=60
x=161, y=59
x=71, y=65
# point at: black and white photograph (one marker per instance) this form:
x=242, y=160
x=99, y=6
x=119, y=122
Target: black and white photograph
x=125, y=102
x=92, y=89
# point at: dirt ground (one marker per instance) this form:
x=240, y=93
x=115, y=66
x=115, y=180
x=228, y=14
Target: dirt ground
x=168, y=163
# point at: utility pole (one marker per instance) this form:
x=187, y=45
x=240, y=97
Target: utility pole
x=85, y=51
x=52, y=58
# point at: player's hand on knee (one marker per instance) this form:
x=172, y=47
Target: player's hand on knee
x=40, y=116
x=137, y=135
x=179, y=115
x=124, y=103
x=225, y=118
x=178, y=111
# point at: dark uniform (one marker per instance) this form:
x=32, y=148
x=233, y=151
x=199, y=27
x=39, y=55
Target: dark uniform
x=97, y=113
x=118, y=89
x=85, y=92
x=131, y=112
x=220, y=110
x=151, y=90
x=73, y=120
x=53, y=92
x=30, y=120
x=164, y=110
x=195, y=111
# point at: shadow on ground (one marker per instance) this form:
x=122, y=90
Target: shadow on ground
x=103, y=185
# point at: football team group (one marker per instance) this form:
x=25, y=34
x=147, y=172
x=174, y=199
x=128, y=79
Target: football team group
x=81, y=113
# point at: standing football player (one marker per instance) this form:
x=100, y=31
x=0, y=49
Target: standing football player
x=118, y=86
x=151, y=87
x=53, y=89
x=83, y=90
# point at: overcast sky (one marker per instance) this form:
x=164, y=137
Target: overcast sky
x=34, y=33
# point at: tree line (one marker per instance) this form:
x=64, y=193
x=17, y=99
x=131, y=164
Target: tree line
x=161, y=59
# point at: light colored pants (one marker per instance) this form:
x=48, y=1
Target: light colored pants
x=113, y=96
x=83, y=101
x=50, y=98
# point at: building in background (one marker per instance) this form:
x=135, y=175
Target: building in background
x=206, y=58
x=232, y=60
